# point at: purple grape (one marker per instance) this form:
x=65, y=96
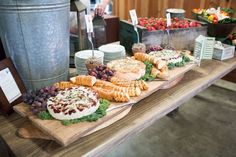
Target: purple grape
x=101, y=70
x=89, y=70
x=93, y=73
x=53, y=93
x=97, y=68
x=38, y=104
x=38, y=99
x=33, y=95
x=154, y=48
x=44, y=104
x=110, y=73
x=30, y=101
x=108, y=78
x=44, y=95
x=104, y=77
x=46, y=89
x=41, y=99
x=41, y=91
x=99, y=76
x=53, y=88
x=35, y=111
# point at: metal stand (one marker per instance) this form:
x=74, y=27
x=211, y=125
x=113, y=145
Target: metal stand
x=79, y=7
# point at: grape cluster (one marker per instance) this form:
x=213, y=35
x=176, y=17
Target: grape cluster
x=166, y=46
x=154, y=48
x=38, y=99
x=101, y=72
x=159, y=48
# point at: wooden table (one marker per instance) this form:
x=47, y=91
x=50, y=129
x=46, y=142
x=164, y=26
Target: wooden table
x=142, y=115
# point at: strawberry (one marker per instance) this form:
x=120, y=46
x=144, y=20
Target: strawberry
x=192, y=24
x=215, y=21
x=176, y=19
x=141, y=23
x=160, y=23
x=230, y=37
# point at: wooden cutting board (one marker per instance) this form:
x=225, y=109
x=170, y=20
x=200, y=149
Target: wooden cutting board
x=175, y=76
x=64, y=135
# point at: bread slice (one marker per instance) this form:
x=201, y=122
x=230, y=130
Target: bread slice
x=131, y=90
x=112, y=95
x=64, y=85
x=128, y=68
x=84, y=80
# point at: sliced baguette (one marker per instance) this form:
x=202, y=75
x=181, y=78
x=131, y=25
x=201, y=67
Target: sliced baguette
x=84, y=80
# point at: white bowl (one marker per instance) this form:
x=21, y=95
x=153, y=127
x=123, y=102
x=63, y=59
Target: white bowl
x=82, y=56
x=85, y=54
x=175, y=10
x=111, y=48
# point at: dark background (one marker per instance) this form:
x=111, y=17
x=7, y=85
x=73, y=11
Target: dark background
x=2, y=53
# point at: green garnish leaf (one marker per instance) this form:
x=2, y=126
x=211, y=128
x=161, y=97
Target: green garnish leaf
x=185, y=59
x=180, y=64
x=148, y=76
x=45, y=115
x=99, y=113
x=171, y=66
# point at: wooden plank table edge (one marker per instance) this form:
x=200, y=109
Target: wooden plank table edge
x=160, y=103
x=125, y=133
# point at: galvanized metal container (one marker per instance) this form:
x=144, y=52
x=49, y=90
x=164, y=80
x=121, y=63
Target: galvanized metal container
x=174, y=12
x=35, y=35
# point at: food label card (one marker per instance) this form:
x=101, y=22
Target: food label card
x=89, y=23
x=218, y=10
x=168, y=20
x=8, y=85
x=133, y=16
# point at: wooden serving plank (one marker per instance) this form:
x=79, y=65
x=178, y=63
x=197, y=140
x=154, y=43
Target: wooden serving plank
x=28, y=130
x=154, y=86
x=65, y=135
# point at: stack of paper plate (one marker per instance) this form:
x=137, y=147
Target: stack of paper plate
x=112, y=52
x=82, y=56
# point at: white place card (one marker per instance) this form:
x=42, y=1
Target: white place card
x=218, y=10
x=168, y=20
x=89, y=23
x=133, y=16
x=8, y=85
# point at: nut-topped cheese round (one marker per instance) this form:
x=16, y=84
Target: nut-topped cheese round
x=128, y=68
x=73, y=103
x=169, y=56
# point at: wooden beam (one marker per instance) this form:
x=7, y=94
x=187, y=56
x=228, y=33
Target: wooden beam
x=157, y=7
x=202, y=4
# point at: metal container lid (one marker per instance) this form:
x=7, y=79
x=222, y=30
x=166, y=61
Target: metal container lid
x=175, y=10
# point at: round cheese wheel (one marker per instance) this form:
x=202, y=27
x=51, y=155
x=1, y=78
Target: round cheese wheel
x=73, y=103
x=128, y=68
